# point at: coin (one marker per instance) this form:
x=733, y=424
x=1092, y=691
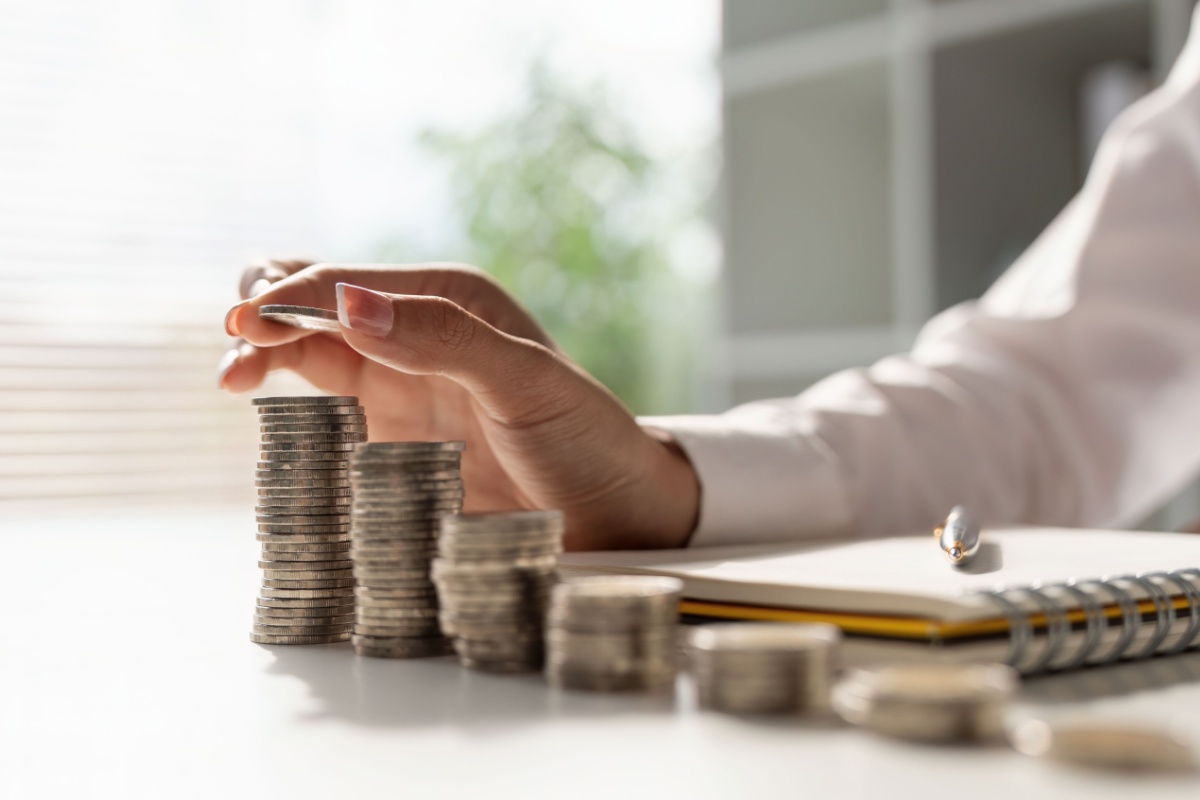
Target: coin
x=298, y=485
x=314, y=400
x=305, y=594
x=272, y=557
x=303, y=492
x=306, y=428
x=304, y=470
x=303, y=616
x=311, y=412
x=312, y=419
x=272, y=448
x=263, y=638
x=337, y=534
x=394, y=647
x=300, y=603
x=338, y=583
x=333, y=573
x=318, y=439
x=301, y=630
x=295, y=566
x=409, y=449
x=937, y=703
x=1105, y=744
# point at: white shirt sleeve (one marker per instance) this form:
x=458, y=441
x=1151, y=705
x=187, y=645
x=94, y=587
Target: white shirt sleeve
x=1068, y=395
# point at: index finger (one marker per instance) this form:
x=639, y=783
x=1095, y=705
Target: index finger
x=316, y=286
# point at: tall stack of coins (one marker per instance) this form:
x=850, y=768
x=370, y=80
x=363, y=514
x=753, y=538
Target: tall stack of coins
x=493, y=578
x=401, y=490
x=613, y=633
x=303, y=511
x=759, y=668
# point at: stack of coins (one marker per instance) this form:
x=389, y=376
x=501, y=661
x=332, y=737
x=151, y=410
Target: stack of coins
x=303, y=518
x=764, y=668
x=401, y=490
x=613, y=633
x=929, y=702
x=493, y=578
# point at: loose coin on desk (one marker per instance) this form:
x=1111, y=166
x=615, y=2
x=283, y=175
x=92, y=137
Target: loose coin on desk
x=1107, y=745
x=304, y=317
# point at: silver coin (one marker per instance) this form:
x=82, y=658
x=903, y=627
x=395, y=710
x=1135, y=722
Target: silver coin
x=456, y=569
x=501, y=650
x=302, y=630
x=612, y=593
x=264, y=638
x=271, y=448
x=422, y=523
x=483, y=631
x=303, y=317
x=304, y=491
x=404, y=448
x=412, y=473
x=305, y=594
x=411, y=612
x=326, y=556
x=313, y=400
x=299, y=603
x=309, y=428
x=336, y=519
x=336, y=535
x=372, y=575
x=297, y=485
x=308, y=527
x=279, y=583
x=312, y=412
x=400, y=647
x=302, y=505
x=301, y=459
x=307, y=574
x=1105, y=744
x=584, y=680
x=441, y=479
x=532, y=520
x=318, y=439
x=407, y=604
x=334, y=420
x=320, y=549
x=303, y=470
x=399, y=494
x=500, y=666
x=296, y=566
x=319, y=514
x=391, y=551
x=411, y=629
x=314, y=618
x=378, y=593
x=392, y=565
x=929, y=702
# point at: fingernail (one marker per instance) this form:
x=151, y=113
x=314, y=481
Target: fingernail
x=259, y=286
x=364, y=311
x=226, y=363
x=231, y=319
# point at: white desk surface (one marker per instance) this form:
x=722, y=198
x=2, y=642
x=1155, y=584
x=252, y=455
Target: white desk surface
x=127, y=673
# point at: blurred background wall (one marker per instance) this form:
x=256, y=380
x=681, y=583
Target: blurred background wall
x=706, y=202
x=887, y=159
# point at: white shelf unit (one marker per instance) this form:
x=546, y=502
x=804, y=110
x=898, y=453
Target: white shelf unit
x=885, y=159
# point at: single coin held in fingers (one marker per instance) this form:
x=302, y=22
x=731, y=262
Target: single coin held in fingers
x=309, y=319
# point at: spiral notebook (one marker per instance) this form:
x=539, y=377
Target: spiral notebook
x=1042, y=599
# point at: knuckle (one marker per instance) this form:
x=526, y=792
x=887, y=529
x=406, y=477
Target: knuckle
x=451, y=327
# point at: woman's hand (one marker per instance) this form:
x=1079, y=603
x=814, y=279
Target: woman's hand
x=441, y=352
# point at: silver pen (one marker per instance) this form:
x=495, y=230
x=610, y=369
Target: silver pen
x=958, y=536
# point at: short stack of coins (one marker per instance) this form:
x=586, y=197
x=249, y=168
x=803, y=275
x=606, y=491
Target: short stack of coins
x=764, y=668
x=614, y=633
x=494, y=576
x=401, y=491
x=303, y=508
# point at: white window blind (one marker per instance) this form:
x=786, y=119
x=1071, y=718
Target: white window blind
x=147, y=151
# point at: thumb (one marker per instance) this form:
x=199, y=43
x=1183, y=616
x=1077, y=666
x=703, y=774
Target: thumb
x=514, y=379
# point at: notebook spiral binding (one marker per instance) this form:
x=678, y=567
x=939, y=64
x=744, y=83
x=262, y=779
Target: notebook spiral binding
x=1099, y=642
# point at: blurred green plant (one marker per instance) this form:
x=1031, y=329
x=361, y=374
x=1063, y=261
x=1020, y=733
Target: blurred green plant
x=563, y=205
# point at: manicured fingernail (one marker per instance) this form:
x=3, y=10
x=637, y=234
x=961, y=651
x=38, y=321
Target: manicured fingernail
x=259, y=286
x=231, y=319
x=364, y=311
x=226, y=363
